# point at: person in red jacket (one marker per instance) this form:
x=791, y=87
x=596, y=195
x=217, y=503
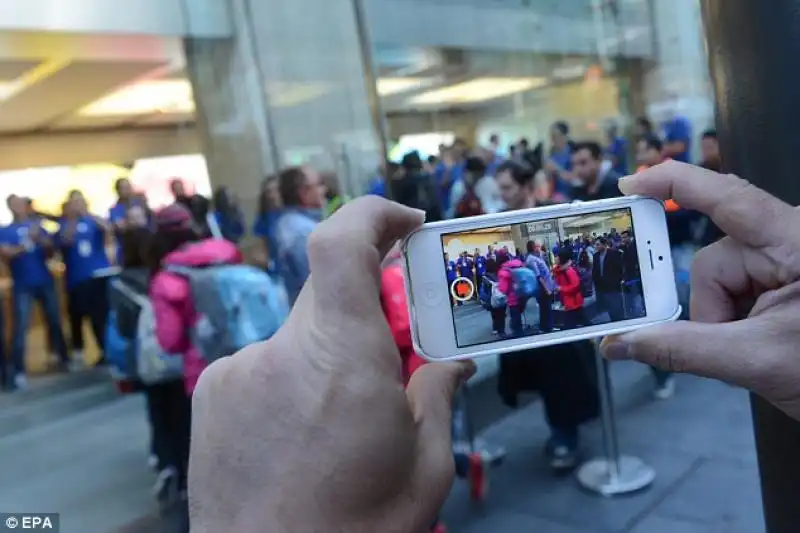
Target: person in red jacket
x=393, y=301
x=568, y=288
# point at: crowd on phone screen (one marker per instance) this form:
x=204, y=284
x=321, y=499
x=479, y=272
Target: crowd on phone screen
x=158, y=253
x=581, y=281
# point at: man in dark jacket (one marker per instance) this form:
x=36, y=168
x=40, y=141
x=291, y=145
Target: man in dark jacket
x=563, y=375
x=607, y=274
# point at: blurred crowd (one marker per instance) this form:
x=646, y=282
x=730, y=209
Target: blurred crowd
x=157, y=254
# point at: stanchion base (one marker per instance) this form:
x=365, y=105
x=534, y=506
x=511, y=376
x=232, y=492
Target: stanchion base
x=634, y=475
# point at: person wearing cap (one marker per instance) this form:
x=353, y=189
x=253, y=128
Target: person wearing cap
x=178, y=242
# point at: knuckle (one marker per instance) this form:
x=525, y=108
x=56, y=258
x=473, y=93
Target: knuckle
x=667, y=358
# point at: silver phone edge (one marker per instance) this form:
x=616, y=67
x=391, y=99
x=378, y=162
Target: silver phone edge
x=541, y=212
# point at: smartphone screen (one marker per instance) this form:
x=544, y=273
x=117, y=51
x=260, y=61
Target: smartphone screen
x=532, y=278
x=535, y=277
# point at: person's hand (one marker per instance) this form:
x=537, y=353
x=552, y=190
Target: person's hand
x=551, y=167
x=312, y=430
x=745, y=299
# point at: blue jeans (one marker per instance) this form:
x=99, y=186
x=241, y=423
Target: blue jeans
x=23, y=306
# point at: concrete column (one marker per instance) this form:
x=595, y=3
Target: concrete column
x=289, y=88
x=753, y=48
x=681, y=68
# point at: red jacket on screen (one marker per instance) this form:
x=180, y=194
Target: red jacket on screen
x=569, y=282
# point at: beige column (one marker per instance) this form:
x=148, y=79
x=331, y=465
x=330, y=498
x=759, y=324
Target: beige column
x=288, y=88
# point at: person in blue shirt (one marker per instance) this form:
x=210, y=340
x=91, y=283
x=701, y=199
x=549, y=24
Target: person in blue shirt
x=464, y=267
x=480, y=264
x=303, y=193
x=450, y=267
x=559, y=163
x=81, y=240
x=228, y=215
x=270, y=208
x=26, y=247
x=678, y=139
x=617, y=150
x=129, y=213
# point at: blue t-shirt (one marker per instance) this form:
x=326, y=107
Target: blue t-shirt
x=464, y=266
x=562, y=158
x=28, y=269
x=480, y=266
x=451, y=271
x=377, y=187
x=87, y=252
x=679, y=130
x=264, y=228
x=456, y=175
x=619, y=151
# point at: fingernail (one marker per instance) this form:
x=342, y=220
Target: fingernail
x=468, y=369
x=624, y=183
x=616, y=351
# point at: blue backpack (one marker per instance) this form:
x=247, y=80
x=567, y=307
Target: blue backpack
x=119, y=351
x=238, y=305
x=525, y=283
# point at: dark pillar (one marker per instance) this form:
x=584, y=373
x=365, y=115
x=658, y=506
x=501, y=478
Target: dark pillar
x=753, y=49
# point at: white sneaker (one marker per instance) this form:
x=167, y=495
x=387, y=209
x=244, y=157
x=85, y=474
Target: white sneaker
x=666, y=390
x=20, y=382
x=165, y=489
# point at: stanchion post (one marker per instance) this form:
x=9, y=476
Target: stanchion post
x=615, y=473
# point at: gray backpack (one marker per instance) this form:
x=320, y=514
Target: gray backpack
x=238, y=305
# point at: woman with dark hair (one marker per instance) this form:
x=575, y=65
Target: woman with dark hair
x=228, y=215
x=177, y=243
x=270, y=208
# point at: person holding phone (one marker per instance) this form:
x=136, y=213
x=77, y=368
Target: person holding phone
x=370, y=490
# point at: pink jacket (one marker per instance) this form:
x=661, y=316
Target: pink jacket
x=505, y=281
x=173, y=306
x=393, y=300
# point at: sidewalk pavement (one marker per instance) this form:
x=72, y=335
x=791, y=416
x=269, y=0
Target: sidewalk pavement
x=700, y=442
x=91, y=466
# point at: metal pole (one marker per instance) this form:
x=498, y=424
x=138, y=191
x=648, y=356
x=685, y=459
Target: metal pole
x=614, y=474
x=753, y=48
x=371, y=84
x=608, y=419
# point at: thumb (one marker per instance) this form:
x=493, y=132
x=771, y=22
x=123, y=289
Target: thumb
x=719, y=351
x=430, y=393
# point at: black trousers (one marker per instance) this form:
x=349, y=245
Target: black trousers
x=88, y=299
x=170, y=412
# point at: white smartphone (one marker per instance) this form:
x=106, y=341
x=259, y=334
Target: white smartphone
x=525, y=279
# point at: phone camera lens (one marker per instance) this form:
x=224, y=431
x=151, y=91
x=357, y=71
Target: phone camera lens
x=648, y=242
x=660, y=257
